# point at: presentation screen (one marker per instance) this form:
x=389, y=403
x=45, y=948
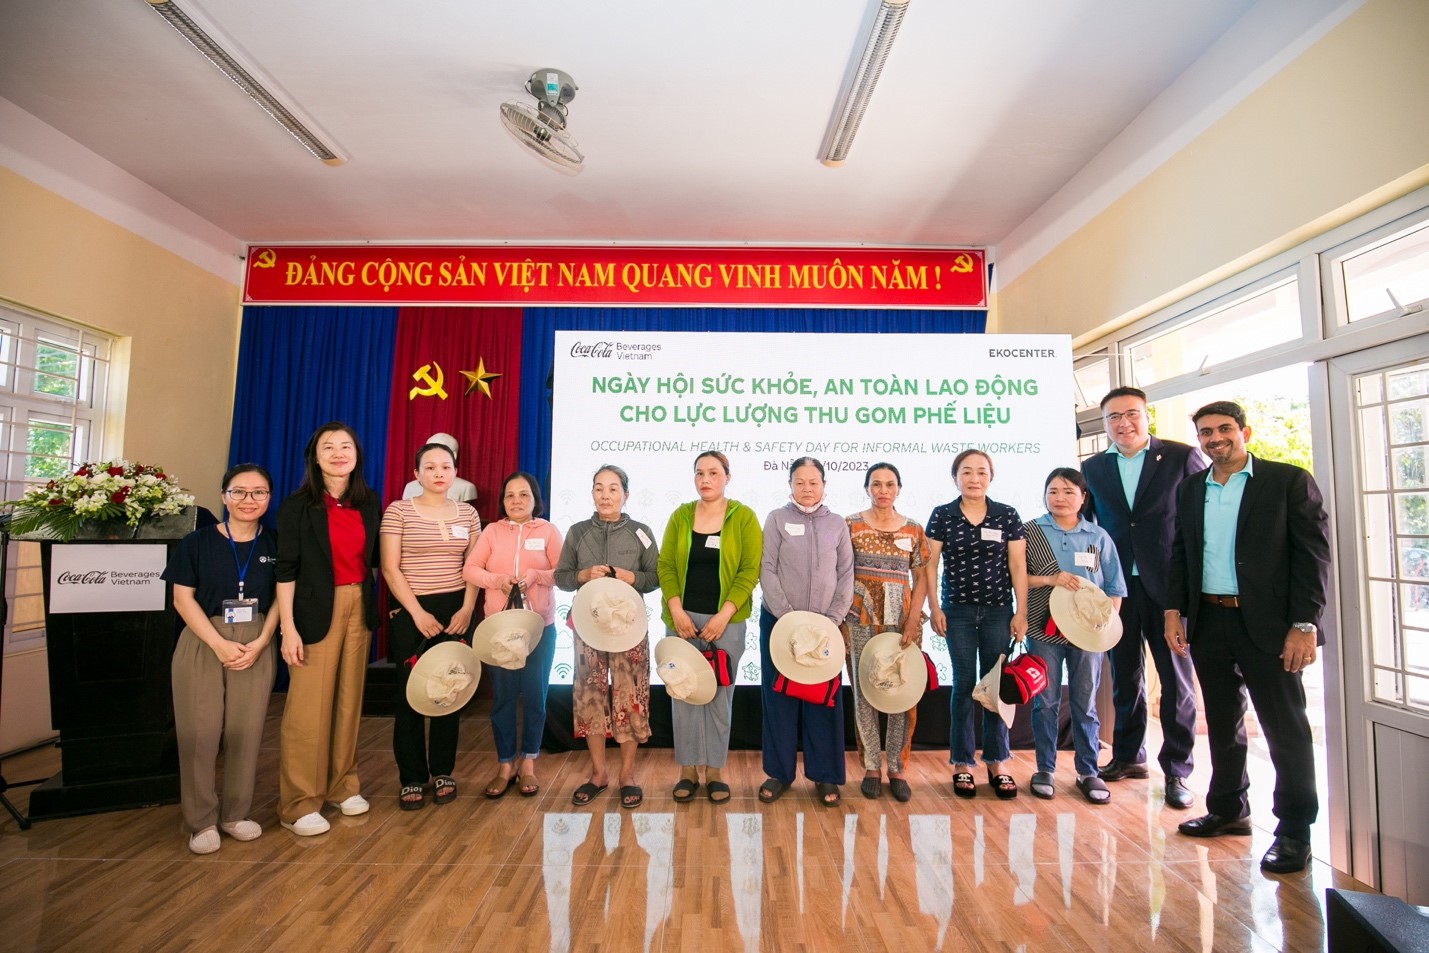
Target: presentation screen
x=649, y=402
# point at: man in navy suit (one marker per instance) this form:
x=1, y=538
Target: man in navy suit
x=1133, y=497
x=1250, y=568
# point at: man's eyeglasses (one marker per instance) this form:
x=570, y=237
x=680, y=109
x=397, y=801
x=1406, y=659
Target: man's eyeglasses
x=257, y=496
x=1131, y=417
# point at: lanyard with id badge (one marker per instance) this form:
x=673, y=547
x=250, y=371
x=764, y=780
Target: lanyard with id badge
x=240, y=609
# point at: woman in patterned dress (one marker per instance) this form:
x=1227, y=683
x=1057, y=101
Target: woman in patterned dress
x=611, y=691
x=889, y=586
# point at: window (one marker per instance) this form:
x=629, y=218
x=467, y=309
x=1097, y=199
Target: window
x=1396, y=269
x=53, y=385
x=1393, y=412
x=1092, y=377
x=1262, y=319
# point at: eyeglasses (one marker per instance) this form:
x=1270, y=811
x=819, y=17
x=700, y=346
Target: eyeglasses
x=1131, y=417
x=258, y=496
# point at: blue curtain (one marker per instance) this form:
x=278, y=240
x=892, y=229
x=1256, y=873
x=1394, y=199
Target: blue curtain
x=538, y=346
x=298, y=368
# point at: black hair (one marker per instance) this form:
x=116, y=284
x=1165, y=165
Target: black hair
x=972, y=451
x=238, y=469
x=1116, y=392
x=1226, y=408
x=1073, y=477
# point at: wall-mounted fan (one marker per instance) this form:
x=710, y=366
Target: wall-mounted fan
x=541, y=127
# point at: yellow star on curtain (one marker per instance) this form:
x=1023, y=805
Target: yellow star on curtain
x=478, y=378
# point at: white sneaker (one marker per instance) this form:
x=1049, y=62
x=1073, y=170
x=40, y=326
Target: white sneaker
x=308, y=825
x=205, y=841
x=357, y=804
x=242, y=830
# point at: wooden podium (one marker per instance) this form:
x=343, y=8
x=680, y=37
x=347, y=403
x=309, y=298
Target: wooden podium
x=110, y=694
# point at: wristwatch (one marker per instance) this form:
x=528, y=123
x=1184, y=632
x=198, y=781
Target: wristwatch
x=1307, y=627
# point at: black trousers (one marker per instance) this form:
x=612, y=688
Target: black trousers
x=1141, y=618
x=419, y=757
x=1230, y=666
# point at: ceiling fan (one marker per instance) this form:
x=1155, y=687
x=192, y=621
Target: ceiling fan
x=541, y=127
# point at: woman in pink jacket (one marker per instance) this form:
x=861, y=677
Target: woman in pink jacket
x=519, y=550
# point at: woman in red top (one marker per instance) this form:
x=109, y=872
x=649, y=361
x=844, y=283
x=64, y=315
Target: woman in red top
x=327, y=550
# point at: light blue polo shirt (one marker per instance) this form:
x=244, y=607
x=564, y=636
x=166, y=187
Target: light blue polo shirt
x=1130, y=470
x=1218, y=575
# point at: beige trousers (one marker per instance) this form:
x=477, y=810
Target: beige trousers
x=318, y=761
x=212, y=704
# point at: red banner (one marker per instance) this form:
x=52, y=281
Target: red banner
x=616, y=275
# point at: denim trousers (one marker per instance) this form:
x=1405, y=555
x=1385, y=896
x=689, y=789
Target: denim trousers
x=528, y=685
x=1083, y=674
x=977, y=635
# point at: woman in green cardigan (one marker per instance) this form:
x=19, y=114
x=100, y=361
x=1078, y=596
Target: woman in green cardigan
x=709, y=566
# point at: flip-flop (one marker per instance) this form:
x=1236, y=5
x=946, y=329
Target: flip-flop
x=717, y=787
x=685, y=789
x=631, y=796
x=530, y=787
x=772, y=790
x=586, y=793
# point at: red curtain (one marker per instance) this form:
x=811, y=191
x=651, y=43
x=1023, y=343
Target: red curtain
x=430, y=393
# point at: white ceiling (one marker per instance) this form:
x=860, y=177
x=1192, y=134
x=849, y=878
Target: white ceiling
x=700, y=121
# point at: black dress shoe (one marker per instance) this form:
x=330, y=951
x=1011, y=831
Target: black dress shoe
x=1116, y=770
x=1213, y=825
x=1177, y=794
x=1286, y=856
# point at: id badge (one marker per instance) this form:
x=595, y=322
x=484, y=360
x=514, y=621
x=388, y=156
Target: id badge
x=239, y=610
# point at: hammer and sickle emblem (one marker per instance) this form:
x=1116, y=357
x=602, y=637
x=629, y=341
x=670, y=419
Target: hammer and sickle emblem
x=433, y=388
x=267, y=258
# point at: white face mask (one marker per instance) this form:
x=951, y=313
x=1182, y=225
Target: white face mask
x=806, y=510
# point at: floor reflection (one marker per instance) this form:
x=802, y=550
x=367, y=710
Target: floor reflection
x=900, y=872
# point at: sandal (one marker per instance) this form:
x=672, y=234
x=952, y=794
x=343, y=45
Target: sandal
x=826, y=788
x=717, y=787
x=772, y=790
x=449, y=783
x=685, y=789
x=498, y=786
x=631, y=796
x=870, y=787
x=1094, y=789
x=586, y=793
x=1002, y=785
x=530, y=787
x=964, y=785
x=900, y=789
x=1041, y=786
x=407, y=801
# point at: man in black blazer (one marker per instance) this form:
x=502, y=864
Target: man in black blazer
x=1249, y=569
x=1133, y=497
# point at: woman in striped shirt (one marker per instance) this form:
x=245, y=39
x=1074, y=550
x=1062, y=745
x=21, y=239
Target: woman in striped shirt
x=425, y=541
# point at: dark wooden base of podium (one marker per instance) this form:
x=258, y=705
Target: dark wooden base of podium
x=55, y=798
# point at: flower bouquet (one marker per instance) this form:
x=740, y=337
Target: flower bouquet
x=103, y=492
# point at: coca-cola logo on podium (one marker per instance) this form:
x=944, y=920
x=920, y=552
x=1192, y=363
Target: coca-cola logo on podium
x=88, y=577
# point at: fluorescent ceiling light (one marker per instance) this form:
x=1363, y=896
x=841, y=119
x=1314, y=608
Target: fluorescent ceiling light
x=858, y=88
x=246, y=77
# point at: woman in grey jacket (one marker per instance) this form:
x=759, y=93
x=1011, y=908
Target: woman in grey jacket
x=610, y=694
x=807, y=565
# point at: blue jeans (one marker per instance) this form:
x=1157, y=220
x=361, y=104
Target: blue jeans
x=1084, y=671
x=529, y=685
x=977, y=635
